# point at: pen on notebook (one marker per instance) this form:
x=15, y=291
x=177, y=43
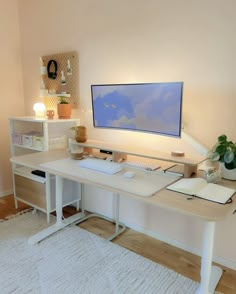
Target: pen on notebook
x=191, y=197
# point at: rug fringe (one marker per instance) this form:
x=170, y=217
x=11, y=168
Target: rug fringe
x=16, y=215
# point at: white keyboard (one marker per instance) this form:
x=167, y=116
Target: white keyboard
x=101, y=165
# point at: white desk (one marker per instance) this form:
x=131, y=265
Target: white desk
x=208, y=211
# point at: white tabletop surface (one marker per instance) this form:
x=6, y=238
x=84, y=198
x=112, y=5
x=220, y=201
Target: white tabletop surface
x=167, y=199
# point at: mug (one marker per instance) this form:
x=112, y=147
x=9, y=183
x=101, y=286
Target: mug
x=50, y=114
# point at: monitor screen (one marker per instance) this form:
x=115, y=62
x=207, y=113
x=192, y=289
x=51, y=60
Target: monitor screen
x=150, y=107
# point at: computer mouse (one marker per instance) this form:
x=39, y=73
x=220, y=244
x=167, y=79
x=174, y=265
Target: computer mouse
x=129, y=174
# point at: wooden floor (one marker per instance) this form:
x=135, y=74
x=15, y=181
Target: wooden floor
x=180, y=261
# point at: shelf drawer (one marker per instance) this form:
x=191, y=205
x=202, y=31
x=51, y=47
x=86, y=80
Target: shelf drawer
x=30, y=191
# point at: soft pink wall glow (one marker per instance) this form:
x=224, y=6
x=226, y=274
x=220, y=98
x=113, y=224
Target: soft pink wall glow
x=144, y=41
x=12, y=102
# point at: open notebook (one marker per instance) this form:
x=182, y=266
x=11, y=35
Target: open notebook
x=200, y=188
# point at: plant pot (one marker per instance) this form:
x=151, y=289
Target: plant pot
x=64, y=110
x=80, y=134
x=228, y=174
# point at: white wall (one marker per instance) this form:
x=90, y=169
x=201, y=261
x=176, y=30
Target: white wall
x=12, y=102
x=145, y=41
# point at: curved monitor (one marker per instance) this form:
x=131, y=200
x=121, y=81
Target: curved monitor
x=150, y=107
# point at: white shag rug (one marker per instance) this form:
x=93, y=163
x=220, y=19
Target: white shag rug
x=74, y=261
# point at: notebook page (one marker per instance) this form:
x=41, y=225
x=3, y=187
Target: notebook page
x=216, y=193
x=188, y=186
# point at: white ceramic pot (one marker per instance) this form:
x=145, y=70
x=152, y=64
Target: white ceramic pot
x=228, y=174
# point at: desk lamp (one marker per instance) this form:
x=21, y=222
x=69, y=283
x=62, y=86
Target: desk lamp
x=39, y=109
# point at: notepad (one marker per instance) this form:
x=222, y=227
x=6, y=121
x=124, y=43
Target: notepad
x=200, y=188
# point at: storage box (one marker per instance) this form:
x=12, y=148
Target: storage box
x=27, y=138
x=38, y=142
x=17, y=138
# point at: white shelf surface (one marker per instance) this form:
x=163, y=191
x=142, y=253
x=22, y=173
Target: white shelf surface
x=29, y=147
x=43, y=119
x=56, y=95
x=136, y=151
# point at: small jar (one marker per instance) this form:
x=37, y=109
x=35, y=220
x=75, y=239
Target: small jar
x=81, y=134
x=212, y=175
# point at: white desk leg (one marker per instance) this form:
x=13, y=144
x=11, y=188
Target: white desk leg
x=117, y=208
x=118, y=230
x=210, y=275
x=82, y=197
x=48, y=196
x=60, y=224
x=59, y=188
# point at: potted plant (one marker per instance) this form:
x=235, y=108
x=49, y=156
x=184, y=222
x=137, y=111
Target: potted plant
x=224, y=151
x=63, y=108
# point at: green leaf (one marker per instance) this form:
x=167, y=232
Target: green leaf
x=221, y=149
x=224, y=151
x=229, y=156
x=62, y=99
x=222, y=139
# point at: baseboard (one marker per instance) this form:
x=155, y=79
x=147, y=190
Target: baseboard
x=6, y=193
x=220, y=260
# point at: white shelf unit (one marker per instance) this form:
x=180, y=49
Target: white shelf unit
x=120, y=153
x=31, y=134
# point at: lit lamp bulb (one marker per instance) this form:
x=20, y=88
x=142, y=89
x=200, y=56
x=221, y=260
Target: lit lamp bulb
x=39, y=109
